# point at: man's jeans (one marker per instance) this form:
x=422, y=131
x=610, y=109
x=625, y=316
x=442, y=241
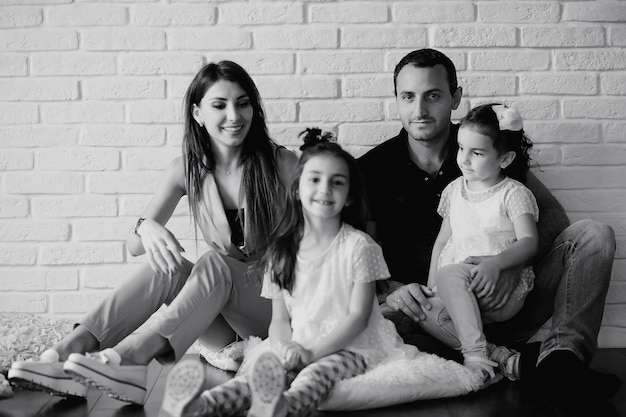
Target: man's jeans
x=570, y=286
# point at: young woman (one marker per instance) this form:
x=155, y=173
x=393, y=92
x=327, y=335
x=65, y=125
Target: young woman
x=234, y=176
x=320, y=272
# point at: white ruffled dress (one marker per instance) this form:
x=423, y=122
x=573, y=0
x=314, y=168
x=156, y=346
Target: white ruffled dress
x=321, y=297
x=482, y=222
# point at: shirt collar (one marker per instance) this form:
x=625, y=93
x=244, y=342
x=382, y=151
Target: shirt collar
x=401, y=146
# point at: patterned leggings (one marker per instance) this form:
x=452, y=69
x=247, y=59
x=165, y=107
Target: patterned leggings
x=308, y=389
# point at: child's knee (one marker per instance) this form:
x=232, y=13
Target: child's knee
x=454, y=276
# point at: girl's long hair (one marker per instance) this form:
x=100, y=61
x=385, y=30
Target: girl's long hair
x=484, y=120
x=280, y=258
x=260, y=182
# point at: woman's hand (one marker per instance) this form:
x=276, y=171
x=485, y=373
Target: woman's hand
x=411, y=299
x=163, y=250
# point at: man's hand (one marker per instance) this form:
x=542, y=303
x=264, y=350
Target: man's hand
x=411, y=299
x=502, y=289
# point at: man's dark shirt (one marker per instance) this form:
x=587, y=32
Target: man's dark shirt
x=403, y=202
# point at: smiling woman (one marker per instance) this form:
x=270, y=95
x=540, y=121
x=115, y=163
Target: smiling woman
x=226, y=113
x=229, y=165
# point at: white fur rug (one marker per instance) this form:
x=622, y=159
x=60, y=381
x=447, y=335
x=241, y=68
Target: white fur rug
x=401, y=381
x=23, y=336
x=426, y=376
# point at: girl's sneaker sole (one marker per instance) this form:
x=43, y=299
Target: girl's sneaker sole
x=267, y=383
x=183, y=386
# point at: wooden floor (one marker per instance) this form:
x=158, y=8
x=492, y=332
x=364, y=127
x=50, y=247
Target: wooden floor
x=503, y=399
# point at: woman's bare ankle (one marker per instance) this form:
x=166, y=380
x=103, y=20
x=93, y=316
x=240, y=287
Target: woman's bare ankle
x=80, y=340
x=140, y=349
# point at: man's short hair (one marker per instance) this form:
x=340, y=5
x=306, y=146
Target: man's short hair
x=427, y=58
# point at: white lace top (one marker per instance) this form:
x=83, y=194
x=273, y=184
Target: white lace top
x=322, y=291
x=482, y=221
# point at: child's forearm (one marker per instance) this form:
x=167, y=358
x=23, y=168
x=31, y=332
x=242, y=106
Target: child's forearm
x=517, y=254
x=442, y=238
x=280, y=326
x=434, y=260
x=353, y=324
x=341, y=336
x=279, y=331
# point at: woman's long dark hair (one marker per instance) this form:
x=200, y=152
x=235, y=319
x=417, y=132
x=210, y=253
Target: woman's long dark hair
x=484, y=120
x=261, y=182
x=280, y=258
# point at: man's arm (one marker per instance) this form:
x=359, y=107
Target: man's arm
x=552, y=217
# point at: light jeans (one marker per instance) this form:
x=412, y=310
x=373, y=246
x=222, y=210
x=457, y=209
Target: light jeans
x=456, y=319
x=199, y=299
x=571, y=283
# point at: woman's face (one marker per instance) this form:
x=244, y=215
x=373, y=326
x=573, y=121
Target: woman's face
x=226, y=113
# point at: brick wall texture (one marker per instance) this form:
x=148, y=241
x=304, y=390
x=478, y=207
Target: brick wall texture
x=90, y=111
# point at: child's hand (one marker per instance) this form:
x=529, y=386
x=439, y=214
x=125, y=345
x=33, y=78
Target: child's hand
x=294, y=355
x=485, y=277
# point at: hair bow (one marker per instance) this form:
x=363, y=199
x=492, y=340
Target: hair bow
x=313, y=136
x=508, y=117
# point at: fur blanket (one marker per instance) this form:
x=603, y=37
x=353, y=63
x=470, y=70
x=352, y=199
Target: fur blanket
x=426, y=376
x=23, y=336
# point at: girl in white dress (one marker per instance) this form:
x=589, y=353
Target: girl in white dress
x=320, y=272
x=487, y=212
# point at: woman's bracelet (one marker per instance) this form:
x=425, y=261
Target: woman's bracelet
x=141, y=219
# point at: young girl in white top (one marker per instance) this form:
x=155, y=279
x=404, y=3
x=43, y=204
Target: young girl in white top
x=320, y=273
x=487, y=212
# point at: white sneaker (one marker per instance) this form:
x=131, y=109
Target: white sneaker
x=183, y=387
x=508, y=361
x=102, y=370
x=228, y=358
x=267, y=383
x=46, y=375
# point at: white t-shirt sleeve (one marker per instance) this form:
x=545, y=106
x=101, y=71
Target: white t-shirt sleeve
x=520, y=200
x=369, y=264
x=444, y=203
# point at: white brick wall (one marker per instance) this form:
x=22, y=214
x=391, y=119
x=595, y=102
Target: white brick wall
x=91, y=91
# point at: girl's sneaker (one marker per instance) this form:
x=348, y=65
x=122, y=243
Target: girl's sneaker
x=267, y=382
x=508, y=362
x=484, y=367
x=183, y=387
x=46, y=375
x=228, y=358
